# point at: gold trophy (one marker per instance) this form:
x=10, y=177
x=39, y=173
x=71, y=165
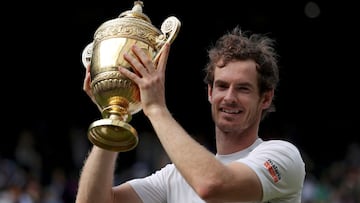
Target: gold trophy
x=117, y=96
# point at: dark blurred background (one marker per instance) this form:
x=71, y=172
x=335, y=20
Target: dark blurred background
x=46, y=112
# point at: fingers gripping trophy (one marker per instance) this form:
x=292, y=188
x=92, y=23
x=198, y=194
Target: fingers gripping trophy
x=117, y=96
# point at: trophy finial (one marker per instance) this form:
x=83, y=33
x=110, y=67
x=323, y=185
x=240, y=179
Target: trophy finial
x=138, y=5
x=136, y=12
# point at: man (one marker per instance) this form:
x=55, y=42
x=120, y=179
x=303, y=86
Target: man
x=242, y=75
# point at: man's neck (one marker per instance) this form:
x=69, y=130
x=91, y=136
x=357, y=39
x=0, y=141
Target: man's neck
x=227, y=143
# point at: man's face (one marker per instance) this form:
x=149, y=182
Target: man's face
x=234, y=97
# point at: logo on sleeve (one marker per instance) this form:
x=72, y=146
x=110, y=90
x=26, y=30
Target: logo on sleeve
x=273, y=170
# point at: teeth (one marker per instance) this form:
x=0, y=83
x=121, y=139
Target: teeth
x=230, y=111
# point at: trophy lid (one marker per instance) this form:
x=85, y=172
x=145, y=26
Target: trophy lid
x=132, y=24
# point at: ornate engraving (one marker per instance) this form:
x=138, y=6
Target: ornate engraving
x=127, y=28
x=110, y=81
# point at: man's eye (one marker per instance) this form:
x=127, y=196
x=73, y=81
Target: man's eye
x=221, y=86
x=243, y=89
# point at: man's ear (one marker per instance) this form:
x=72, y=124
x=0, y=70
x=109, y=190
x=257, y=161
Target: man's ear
x=209, y=90
x=267, y=99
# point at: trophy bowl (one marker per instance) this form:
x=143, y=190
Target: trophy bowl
x=118, y=97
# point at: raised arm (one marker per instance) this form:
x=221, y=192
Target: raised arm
x=97, y=175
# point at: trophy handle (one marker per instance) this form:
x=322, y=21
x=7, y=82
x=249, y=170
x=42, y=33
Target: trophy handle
x=170, y=28
x=87, y=54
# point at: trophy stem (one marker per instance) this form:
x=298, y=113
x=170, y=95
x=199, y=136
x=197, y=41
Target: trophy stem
x=113, y=132
x=117, y=109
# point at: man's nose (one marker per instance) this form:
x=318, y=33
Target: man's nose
x=230, y=95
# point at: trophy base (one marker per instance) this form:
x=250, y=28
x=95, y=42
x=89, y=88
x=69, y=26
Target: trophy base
x=113, y=135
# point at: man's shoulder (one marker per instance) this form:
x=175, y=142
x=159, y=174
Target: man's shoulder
x=282, y=146
x=277, y=142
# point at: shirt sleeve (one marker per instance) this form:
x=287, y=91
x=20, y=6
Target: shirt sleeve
x=152, y=189
x=280, y=168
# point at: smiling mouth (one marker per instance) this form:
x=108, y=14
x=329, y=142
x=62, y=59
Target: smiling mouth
x=230, y=111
